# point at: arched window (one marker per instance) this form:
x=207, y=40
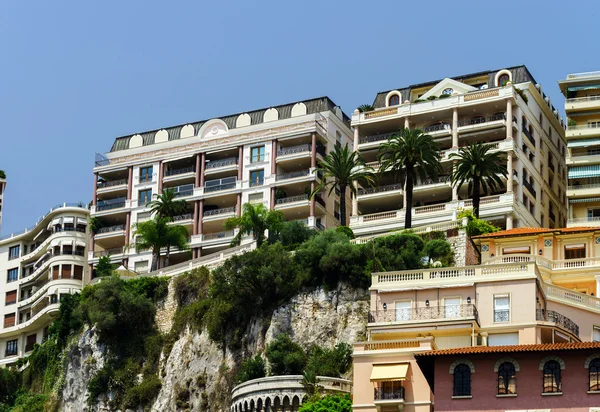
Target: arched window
x=503, y=79
x=449, y=90
x=507, y=381
x=551, y=378
x=394, y=100
x=595, y=375
x=462, y=380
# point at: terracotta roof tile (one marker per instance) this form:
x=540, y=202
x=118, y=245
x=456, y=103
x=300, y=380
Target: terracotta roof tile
x=519, y=231
x=541, y=347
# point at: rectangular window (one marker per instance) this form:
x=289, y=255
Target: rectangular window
x=141, y=266
x=403, y=310
x=257, y=154
x=257, y=178
x=501, y=308
x=9, y=320
x=11, y=347
x=13, y=274
x=11, y=298
x=576, y=251
x=145, y=197
x=146, y=174
x=452, y=308
x=31, y=341
x=596, y=334
x=255, y=198
x=13, y=252
x=78, y=272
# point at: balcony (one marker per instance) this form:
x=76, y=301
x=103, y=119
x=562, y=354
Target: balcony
x=383, y=394
x=184, y=190
x=182, y=218
x=291, y=175
x=218, y=213
x=529, y=136
x=111, y=184
x=220, y=165
x=110, y=205
x=584, y=221
x=559, y=320
x=582, y=103
x=375, y=138
x=299, y=150
x=529, y=187
x=109, y=252
x=110, y=229
x=380, y=189
x=220, y=185
x=218, y=235
x=424, y=314
x=183, y=170
x=584, y=130
x=291, y=199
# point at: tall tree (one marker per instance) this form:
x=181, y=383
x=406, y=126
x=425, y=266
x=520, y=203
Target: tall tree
x=167, y=206
x=479, y=167
x=342, y=168
x=254, y=220
x=410, y=153
x=156, y=234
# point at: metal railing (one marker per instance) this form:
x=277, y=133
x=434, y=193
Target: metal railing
x=501, y=315
x=222, y=163
x=174, y=172
x=111, y=183
x=441, y=312
x=558, y=319
x=529, y=136
x=376, y=137
x=220, y=211
x=291, y=199
x=294, y=149
x=379, y=189
x=381, y=394
x=110, y=206
x=109, y=252
x=440, y=179
x=218, y=235
x=482, y=119
x=583, y=99
x=179, y=218
x=437, y=127
x=529, y=187
x=109, y=229
x=216, y=188
x=291, y=175
x=257, y=182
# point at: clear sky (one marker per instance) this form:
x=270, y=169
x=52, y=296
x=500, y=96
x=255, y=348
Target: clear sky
x=76, y=74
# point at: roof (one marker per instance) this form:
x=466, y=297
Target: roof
x=316, y=105
x=539, y=347
x=527, y=231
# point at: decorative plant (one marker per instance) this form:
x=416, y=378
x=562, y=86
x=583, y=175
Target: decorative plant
x=432, y=97
x=571, y=122
x=522, y=94
x=419, y=101
x=444, y=96
x=365, y=108
x=2, y=174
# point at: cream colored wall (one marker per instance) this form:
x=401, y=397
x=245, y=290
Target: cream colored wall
x=522, y=301
x=419, y=297
x=583, y=318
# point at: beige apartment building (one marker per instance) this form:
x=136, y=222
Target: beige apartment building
x=582, y=106
x=39, y=265
x=264, y=156
x=506, y=109
x=533, y=286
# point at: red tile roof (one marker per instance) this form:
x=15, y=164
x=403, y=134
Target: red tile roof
x=540, y=347
x=522, y=231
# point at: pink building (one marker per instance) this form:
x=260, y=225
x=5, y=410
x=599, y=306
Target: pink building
x=539, y=377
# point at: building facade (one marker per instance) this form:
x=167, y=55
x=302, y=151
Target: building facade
x=503, y=108
x=533, y=286
x=38, y=266
x=582, y=106
x=265, y=156
x=2, y=190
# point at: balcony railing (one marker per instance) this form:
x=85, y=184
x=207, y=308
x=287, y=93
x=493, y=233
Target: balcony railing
x=220, y=184
x=257, y=182
x=427, y=313
x=110, y=206
x=291, y=199
x=292, y=175
x=108, y=252
x=109, y=229
x=440, y=179
x=529, y=187
x=583, y=99
x=185, y=190
x=222, y=163
x=529, y=136
x=483, y=119
x=379, y=189
x=111, y=183
x=437, y=127
x=174, y=172
x=558, y=319
x=218, y=235
x=179, y=218
x=294, y=149
x=501, y=315
x=381, y=394
x=376, y=137
x=220, y=211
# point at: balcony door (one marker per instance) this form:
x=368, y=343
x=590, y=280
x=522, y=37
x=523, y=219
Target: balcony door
x=451, y=308
x=403, y=310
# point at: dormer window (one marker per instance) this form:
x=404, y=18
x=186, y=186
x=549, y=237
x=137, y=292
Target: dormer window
x=503, y=80
x=448, y=91
x=394, y=100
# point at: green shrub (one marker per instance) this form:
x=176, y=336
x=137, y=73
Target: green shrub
x=329, y=403
x=252, y=368
x=144, y=393
x=438, y=249
x=29, y=402
x=444, y=96
x=419, y=101
x=285, y=357
x=192, y=286
x=432, y=98
x=104, y=267
x=345, y=230
x=330, y=362
x=476, y=227
x=294, y=233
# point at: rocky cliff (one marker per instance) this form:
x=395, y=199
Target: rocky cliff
x=198, y=375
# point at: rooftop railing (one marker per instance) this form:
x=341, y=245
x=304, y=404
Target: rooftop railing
x=583, y=75
x=558, y=319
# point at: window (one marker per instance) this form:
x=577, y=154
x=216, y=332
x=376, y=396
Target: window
x=593, y=214
x=11, y=348
x=394, y=100
x=13, y=274
x=462, y=380
x=257, y=154
x=501, y=308
x=595, y=375
x=551, y=378
x=593, y=124
x=145, y=197
x=146, y=174
x=255, y=198
x=13, y=252
x=11, y=298
x=31, y=341
x=141, y=266
x=503, y=79
x=452, y=307
x=507, y=382
x=403, y=310
x=448, y=91
x=576, y=251
x=596, y=334
x=9, y=320
x=257, y=177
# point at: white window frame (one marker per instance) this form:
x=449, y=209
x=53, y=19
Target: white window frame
x=446, y=307
x=406, y=316
x=502, y=296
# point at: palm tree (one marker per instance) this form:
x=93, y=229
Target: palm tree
x=410, y=153
x=165, y=205
x=254, y=220
x=365, y=108
x=342, y=168
x=481, y=168
x=156, y=234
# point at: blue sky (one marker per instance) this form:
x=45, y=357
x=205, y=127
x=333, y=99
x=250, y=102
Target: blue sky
x=76, y=74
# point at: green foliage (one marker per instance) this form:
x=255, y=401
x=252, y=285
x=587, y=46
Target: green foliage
x=419, y=101
x=294, y=233
x=571, y=122
x=2, y=174
x=432, y=97
x=475, y=226
x=330, y=362
x=345, y=230
x=104, y=267
x=29, y=402
x=255, y=220
x=329, y=403
x=522, y=94
x=9, y=383
x=167, y=206
x=285, y=357
x=444, y=96
x=437, y=249
x=252, y=368
x=365, y=108
x=156, y=234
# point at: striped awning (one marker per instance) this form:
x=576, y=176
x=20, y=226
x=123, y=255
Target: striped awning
x=578, y=88
x=595, y=112
x=389, y=372
x=585, y=200
x=583, y=143
x=579, y=172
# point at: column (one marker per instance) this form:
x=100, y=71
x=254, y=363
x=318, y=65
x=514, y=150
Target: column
x=509, y=166
x=509, y=222
x=127, y=229
x=200, y=214
x=273, y=157
x=404, y=196
x=312, y=200
x=455, y=128
x=129, y=182
x=94, y=198
x=91, y=270
x=160, y=176
x=313, y=152
x=202, y=168
x=406, y=123
x=238, y=207
x=198, y=170
x=509, y=116
x=356, y=139
x=195, y=224
x=454, y=187
x=240, y=162
x=519, y=117
x=597, y=284
x=272, y=200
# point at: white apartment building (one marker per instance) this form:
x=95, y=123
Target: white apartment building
x=37, y=266
x=582, y=106
x=264, y=156
x=2, y=190
x=505, y=108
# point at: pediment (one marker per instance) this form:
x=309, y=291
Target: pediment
x=448, y=83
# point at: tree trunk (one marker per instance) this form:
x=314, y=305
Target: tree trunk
x=343, y=205
x=167, y=256
x=408, y=193
x=154, y=265
x=476, y=196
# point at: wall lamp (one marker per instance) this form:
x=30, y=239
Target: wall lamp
x=427, y=302
x=541, y=252
x=469, y=299
x=385, y=306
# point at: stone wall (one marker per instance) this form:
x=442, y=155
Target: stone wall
x=465, y=252
x=165, y=310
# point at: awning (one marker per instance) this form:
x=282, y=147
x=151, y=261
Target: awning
x=55, y=242
x=68, y=220
x=67, y=243
x=585, y=200
x=80, y=243
x=578, y=172
x=56, y=221
x=389, y=372
x=82, y=221
x=578, y=88
x=594, y=112
x=583, y=143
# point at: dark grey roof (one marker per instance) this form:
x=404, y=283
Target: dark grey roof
x=317, y=105
x=520, y=74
